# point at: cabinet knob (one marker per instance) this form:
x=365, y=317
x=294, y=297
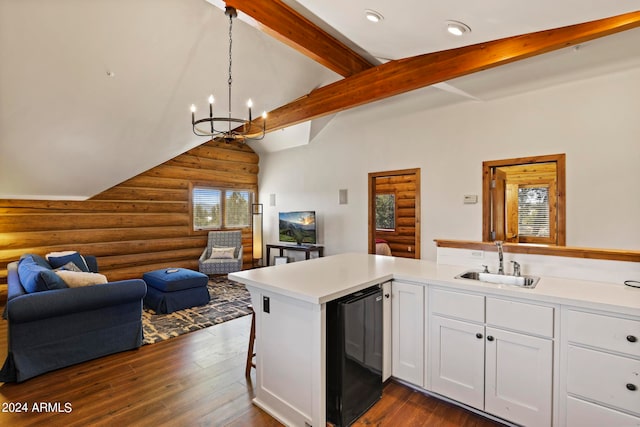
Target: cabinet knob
x=631, y=387
x=387, y=296
x=478, y=335
x=631, y=338
x=489, y=338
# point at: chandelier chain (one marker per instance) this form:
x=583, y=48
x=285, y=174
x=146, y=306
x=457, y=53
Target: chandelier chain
x=230, y=79
x=230, y=43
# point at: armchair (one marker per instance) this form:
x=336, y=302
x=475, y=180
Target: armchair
x=220, y=240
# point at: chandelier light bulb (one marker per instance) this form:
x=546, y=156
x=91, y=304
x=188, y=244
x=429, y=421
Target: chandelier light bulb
x=249, y=103
x=193, y=108
x=264, y=115
x=211, y=100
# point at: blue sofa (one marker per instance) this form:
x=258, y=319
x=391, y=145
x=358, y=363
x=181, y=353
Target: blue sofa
x=56, y=328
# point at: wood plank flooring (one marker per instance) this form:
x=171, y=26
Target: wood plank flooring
x=193, y=380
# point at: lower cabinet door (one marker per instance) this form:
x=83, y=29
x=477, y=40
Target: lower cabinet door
x=407, y=323
x=519, y=371
x=457, y=360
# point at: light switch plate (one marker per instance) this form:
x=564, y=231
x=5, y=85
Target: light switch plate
x=343, y=196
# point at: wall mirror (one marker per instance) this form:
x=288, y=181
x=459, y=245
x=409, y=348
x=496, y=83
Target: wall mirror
x=523, y=200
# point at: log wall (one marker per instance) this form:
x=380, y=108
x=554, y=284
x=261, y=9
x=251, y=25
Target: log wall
x=139, y=225
x=402, y=240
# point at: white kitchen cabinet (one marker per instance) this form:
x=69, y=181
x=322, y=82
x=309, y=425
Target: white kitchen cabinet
x=518, y=377
x=581, y=413
x=457, y=360
x=485, y=360
x=407, y=335
x=609, y=394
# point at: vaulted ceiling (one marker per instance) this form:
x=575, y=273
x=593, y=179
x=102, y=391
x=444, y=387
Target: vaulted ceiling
x=92, y=93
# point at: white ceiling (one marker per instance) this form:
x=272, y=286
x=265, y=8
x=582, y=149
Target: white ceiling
x=414, y=27
x=69, y=130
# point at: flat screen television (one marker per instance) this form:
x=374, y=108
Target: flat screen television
x=298, y=227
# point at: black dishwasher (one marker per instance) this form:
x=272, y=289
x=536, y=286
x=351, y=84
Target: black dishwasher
x=354, y=355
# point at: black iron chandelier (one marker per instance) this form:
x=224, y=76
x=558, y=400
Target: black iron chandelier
x=236, y=129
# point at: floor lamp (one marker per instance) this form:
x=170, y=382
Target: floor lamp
x=256, y=223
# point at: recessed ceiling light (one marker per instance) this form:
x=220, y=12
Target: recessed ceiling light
x=457, y=28
x=373, y=16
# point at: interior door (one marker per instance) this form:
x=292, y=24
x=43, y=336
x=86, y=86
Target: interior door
x=498, y=192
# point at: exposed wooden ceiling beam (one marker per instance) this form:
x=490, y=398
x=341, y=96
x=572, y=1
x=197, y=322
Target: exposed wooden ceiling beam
x=404, y=75
x=285, y=24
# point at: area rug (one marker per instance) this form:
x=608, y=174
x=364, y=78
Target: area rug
x=229, y=300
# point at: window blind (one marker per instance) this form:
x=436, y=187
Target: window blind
x=207, y=208
x=533, y=211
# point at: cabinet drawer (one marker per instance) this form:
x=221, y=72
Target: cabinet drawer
x=586, y=414
x=607, y=332
x=518, y=316
x=604, y=377
x=457, y=304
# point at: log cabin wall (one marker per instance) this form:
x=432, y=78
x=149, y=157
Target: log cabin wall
x=139, y=225
x=402, y=240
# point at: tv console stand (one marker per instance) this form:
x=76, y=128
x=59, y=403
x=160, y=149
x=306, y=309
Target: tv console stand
x=307, y=249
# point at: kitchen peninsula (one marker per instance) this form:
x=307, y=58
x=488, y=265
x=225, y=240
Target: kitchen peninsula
x=290, y=305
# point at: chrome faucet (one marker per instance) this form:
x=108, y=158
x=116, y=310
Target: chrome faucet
x=500, y=257
x=516, y=268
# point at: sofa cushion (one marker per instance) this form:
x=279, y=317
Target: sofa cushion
x=70, y=266
x=77, y=279
x=37, y=259
x=58, y=259
x=36, y=277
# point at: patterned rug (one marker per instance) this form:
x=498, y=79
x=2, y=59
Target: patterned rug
x=229, y=300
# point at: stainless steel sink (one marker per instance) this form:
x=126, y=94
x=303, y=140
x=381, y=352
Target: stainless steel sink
x=529, y=282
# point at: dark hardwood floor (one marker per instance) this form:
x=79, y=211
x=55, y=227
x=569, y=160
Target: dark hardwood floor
x=192, y=380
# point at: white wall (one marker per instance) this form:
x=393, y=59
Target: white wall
x=596, y=122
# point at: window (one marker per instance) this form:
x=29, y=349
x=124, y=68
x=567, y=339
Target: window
x=533, y=212
x=237, y=209
x=385, y=212
x=217, y=208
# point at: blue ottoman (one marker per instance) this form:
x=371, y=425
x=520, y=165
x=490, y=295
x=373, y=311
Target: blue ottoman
x=171, y=289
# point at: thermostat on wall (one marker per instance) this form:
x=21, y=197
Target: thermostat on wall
x=470, y=199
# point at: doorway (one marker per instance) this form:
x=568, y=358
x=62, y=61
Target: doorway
x=394, y=213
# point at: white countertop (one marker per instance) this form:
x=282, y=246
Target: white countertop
x=320, y=280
